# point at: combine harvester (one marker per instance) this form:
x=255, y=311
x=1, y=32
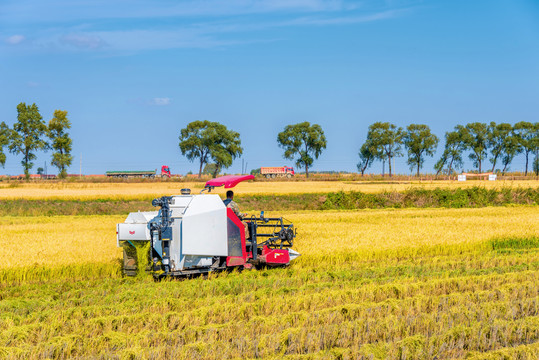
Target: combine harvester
x=196, y=234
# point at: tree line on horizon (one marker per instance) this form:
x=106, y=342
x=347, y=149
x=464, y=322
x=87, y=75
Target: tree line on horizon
x=30, y=133
x=215, y=146
x=502, y=142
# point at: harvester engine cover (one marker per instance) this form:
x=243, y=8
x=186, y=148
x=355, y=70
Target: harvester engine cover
x=194, y=234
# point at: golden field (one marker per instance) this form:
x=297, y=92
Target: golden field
x=62, y=240
x=370, y=285
x=148, y=190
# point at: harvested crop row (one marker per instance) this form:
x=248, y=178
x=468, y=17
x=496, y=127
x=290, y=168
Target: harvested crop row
x=277, y=313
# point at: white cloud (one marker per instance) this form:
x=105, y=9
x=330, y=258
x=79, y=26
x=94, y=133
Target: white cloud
x=348, y=19
x=15, y=39
x=132, y=36
x=136, y=40
x=160, y=101
x=198, y=35
x=83, y=41
x=59, y=10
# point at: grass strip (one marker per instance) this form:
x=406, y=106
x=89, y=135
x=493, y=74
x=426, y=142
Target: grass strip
x=474, y=197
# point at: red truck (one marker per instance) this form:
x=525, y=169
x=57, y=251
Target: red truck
x=273, y=172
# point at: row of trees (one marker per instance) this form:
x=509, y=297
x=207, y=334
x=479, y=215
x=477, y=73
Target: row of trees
x=502, y=142
x=30, y=134
x=216, y=146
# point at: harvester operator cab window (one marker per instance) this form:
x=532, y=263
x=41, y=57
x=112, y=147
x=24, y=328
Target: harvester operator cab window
x=230, y=203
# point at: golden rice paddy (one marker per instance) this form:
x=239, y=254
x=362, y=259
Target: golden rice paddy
x=63, y=240
x=148, y=190
x=370, y=284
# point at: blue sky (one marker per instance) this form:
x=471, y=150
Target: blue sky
x=131, y=74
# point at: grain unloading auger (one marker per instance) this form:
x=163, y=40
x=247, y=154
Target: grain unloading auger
x=196, y=233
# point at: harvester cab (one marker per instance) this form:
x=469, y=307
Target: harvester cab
x=196, y=233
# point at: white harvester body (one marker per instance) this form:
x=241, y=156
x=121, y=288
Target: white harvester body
x=198, y=230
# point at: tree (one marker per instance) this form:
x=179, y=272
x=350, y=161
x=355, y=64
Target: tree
x=497, y=140
x=255, y=171
x=524, y=131
x=40, y=171
x=211, y=169
x=224, y=153
x=452, y=155
x=475, y=138
x=303, y=139
x=207, y=140
x=420, y=142
x=27, y=135
x=511, y=148
x=367, y=154
x=387, y=140
x=4, y=141
x=61, y=142
x=535, y=146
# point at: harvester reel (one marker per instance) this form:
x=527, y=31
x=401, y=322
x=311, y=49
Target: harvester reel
x=286, y=234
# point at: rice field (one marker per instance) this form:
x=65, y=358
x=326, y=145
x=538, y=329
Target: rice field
x=71, y=240
x=414, y=283
x=370, y=284
x=149, y=190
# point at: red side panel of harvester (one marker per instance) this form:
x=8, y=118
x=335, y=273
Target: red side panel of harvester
x=236, y=240
x=274, y=257
x=240, y=248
